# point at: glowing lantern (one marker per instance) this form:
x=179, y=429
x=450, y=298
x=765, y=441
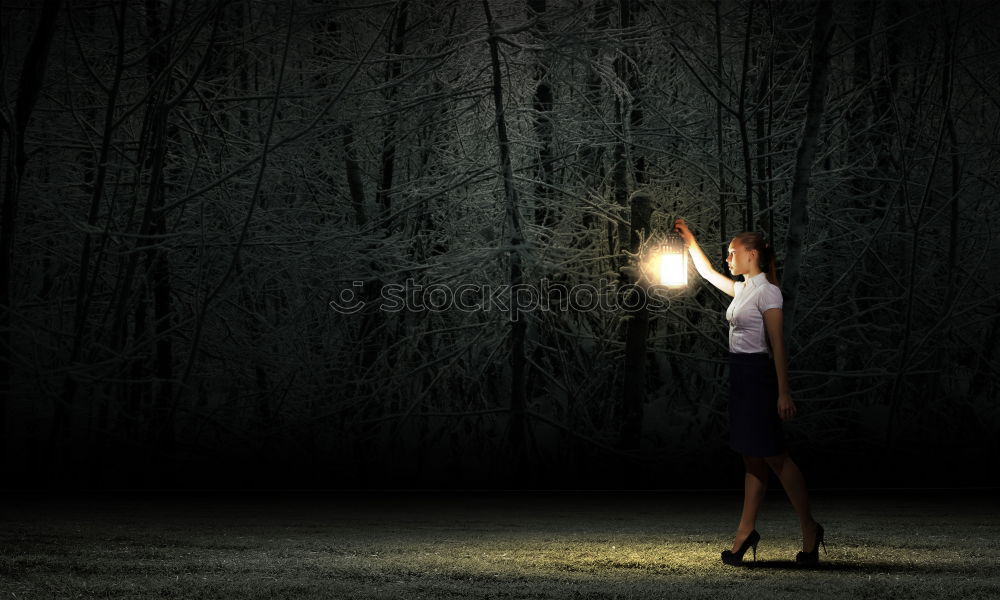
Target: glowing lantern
x=671, y=262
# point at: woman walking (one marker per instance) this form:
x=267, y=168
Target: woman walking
x=759, y=397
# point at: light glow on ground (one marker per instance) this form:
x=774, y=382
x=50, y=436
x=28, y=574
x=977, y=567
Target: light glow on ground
x=598, y=546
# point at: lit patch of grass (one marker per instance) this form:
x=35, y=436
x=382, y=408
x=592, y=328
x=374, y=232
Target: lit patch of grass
x=652, y=546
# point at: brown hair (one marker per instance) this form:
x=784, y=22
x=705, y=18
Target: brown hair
x=754, y=240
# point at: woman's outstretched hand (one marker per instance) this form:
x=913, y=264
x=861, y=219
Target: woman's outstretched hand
x=786, y=406
x=682, y=229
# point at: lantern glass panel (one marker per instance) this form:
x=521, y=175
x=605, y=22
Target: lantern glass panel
x=672, y=263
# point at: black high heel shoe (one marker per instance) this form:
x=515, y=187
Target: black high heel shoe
x=812, y=557
x=736, y=558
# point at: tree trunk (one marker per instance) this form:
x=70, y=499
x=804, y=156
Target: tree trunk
x=630, y=71
x=161, y=428
x=29, y=87
x=947, y=86
x=799, y=217
x=516, y=430
x=592, y=155
x=354, y=182
x=619, y=182
x=96, y=180
x=762, y=130
x=748, y=217
x=545, y=212
x=634, y=389
x=383, y=195
x=723, y=238
x=627, y=71
x=912, y=270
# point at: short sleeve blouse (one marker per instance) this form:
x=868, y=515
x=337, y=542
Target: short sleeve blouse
x=745, y=314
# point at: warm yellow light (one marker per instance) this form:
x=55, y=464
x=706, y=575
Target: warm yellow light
x=672, y=269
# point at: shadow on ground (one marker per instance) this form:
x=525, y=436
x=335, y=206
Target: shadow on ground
x=856, y=567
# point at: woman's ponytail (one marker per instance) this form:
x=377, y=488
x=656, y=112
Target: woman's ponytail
x=768, y=263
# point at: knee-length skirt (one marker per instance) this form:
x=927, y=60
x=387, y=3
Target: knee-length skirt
x=754, y=424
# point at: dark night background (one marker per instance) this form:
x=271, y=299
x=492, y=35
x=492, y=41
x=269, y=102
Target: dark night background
x=188, y=185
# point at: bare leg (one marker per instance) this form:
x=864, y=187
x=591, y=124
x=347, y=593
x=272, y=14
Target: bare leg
x=795, y=486
x=754, y=486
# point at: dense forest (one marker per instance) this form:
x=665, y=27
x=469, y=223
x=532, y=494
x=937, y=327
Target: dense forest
x=348, y=244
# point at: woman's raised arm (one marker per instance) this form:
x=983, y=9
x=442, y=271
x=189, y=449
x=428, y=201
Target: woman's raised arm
x=701, y=261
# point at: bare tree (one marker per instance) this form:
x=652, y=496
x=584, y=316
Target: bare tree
x=799, y=217
x=516, y=428
x=30, y=81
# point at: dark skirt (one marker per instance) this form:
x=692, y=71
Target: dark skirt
x=754, y=424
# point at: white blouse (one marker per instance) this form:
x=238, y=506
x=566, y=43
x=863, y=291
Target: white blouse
x=746, y=314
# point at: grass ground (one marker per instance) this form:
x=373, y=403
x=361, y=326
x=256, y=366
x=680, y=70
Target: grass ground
x=565, y=545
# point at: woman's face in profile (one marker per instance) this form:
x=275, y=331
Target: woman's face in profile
x=739, y=259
